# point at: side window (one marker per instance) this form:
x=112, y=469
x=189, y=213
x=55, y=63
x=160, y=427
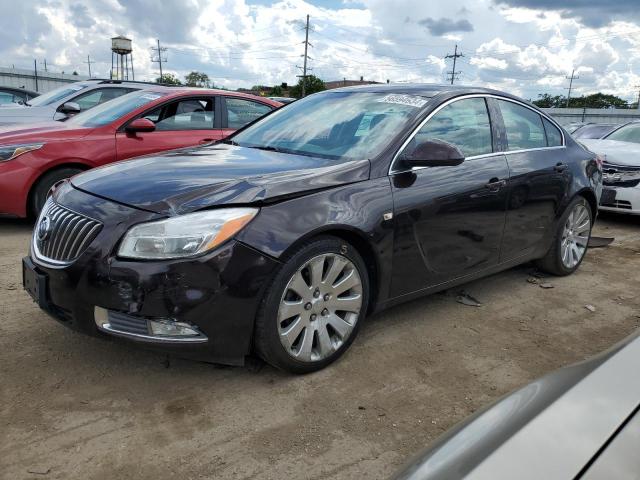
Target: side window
x=241, y=111
x=190, y=114
x=464, y=123
x=554, y=137
x=6, y=97
x=96, y=97
x=524, y=126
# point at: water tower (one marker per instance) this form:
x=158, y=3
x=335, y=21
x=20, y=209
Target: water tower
x=121, y=57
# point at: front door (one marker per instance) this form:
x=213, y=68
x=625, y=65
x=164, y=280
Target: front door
x=449, y=220
x=181, y=123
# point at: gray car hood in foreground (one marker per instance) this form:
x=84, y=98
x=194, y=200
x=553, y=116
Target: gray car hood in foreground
x=614, y=151
x=549, y=429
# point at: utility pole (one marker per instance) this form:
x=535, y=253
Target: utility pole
x=304, y=68
x=455, y=55
x=571, y=79
x=89, y=62
x=638, y=87
x=44, y=62
x=35, y=72
x=159, y=51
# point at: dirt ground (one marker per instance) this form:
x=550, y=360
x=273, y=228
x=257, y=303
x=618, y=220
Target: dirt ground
x=73, y=407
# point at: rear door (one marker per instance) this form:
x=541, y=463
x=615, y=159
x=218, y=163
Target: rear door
x=239, y=112
x=179, y=123
x=449, y=220
x=539, y=178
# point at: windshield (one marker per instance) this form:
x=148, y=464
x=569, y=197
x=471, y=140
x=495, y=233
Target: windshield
x=628, y=133
x=57, y=94
x=593, y=131
x=112, y=110
x=334, y=125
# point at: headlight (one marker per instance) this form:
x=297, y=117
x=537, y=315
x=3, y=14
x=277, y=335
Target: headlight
x=9, y=152
x=186, y=235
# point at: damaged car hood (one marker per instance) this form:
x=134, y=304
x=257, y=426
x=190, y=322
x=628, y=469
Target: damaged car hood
x=191, y=179
x=615, y=151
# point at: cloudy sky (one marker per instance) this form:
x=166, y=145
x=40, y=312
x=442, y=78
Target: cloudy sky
x=524, y=46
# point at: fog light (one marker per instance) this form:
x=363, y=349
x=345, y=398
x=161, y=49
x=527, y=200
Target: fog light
x=171, y=328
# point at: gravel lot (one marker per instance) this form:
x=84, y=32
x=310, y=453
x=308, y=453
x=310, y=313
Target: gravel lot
x=77, y=407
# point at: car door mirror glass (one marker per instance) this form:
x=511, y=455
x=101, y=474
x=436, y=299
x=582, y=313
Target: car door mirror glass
x=70, y=108
x=432, y=153
x=140, y=125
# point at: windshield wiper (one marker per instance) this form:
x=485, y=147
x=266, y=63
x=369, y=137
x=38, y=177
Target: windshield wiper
x=268, y=148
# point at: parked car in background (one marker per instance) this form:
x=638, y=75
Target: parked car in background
x=11, y=95
x=35, y=157
x=573, y=126
x=580, y=422
x=281, y=239
x=594, y=130
x=66, y=101
x=282, y=99
x=620, y=151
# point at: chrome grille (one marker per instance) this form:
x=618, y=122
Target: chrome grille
x=61, y=235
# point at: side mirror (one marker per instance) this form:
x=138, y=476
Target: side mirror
x=433, y=153
x=70, y=108
x=140, y=125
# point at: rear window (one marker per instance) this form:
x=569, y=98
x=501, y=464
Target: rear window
x=554, y=137
x=523, y=125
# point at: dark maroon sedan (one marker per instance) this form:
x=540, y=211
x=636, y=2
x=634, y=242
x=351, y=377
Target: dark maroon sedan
x=282, y=239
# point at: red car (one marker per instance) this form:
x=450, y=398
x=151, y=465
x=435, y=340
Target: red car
x=33, y=158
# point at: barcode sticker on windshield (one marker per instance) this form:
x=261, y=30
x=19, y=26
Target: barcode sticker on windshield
x=411, y=100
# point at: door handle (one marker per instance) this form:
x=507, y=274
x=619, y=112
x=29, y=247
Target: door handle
x=207, y=140
x=560, y=167
x=495, y=184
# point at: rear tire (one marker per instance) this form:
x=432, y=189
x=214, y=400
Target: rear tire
x=48, y=180
x=312, y=311
x=571, y=239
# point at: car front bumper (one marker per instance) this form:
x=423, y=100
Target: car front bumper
x=217, y=293
x=16, y=177
x=627, y=200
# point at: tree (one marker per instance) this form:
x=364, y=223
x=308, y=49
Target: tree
x=312, y=85
x=168, y=79
x=197, y=79
x=276, y=91
x=74, y=73
x=595, y=100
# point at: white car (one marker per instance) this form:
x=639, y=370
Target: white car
x=67, y=100
x=620, y=151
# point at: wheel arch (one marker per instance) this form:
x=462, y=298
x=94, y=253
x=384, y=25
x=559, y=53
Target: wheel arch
x=590, y=196
x=59, y=166
x=358, y=239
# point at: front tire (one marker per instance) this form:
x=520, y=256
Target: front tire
x=571, y=239
x=313, y=309
x=48, y=180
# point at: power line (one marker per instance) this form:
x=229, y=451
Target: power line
x=455, y=56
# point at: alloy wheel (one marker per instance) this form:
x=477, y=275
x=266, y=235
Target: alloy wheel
x=575, y=236
x=320, y=307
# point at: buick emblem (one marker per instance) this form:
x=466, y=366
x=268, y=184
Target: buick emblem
x=44, y=228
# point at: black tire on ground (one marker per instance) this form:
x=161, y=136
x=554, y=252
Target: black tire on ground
x=267, y=342
x=552, y=261
x=44, y=184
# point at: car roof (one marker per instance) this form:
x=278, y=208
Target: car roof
x=422, y=89
x=178, y=91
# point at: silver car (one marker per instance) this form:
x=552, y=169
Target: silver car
x=67, y=100
x=582, y=421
